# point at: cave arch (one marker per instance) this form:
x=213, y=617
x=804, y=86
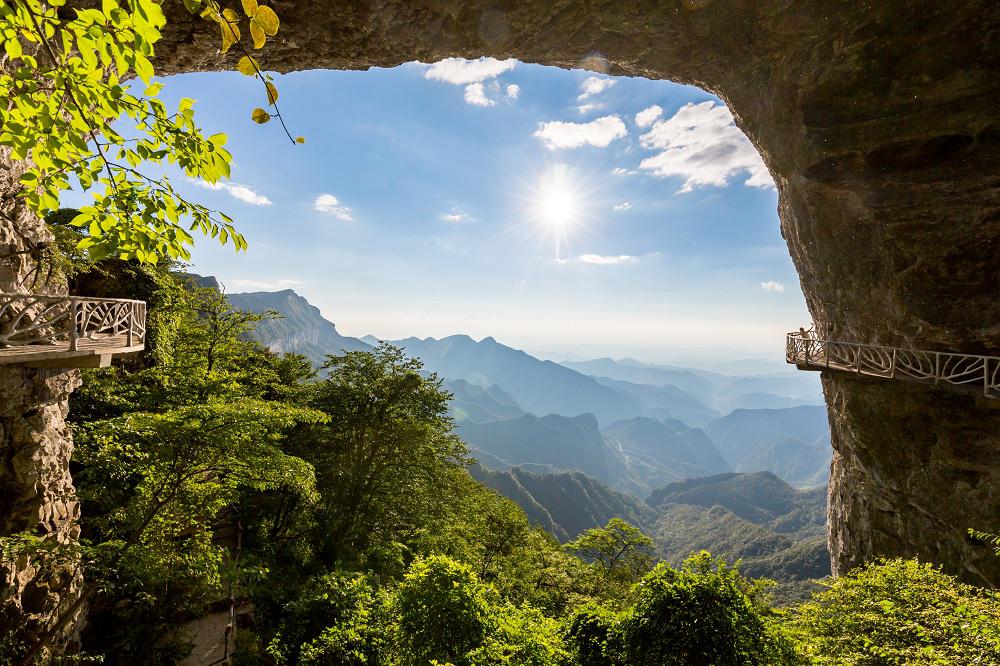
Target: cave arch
x=878, y=123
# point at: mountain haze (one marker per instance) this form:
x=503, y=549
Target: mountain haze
x=301, y=328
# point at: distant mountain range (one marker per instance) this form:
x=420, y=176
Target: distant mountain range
x=539, y=387
x=625, y=423
x=792, y=442
x=577, y=443
x=301, y=328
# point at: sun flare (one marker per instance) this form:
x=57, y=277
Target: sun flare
x=558, y=207
x=557, y=200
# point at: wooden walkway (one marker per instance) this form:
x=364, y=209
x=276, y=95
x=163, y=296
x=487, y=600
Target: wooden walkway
x=963, y=372
x=90, y=353
x=69, y=331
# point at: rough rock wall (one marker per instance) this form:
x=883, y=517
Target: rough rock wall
x=36, y=490
x=878, y=122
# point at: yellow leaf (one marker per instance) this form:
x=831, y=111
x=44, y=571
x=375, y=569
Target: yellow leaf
x=272, y=93
x=260, y=116
x=230, y=34
x=257, y=33
x=246, y=66
x=267, y=20
x=230, y=15
x=250, y=7
x=300, y=139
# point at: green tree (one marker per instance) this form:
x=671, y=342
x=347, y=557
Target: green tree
x=703, y=613
x=386, y=458
x=899, y=612
x=71, y=76
x=443, y=612
x=337, y=618
x=592, y=631
x=620, y=555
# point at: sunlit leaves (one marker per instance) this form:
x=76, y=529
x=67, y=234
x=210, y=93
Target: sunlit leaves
x=263, y=24
x=247, y=66
x=272, y=92
x=260, y=116
x=67, y=94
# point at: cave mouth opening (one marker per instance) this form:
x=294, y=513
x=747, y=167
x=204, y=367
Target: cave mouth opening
x=630, y=213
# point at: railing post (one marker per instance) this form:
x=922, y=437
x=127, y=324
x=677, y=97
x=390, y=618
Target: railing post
x=892, y=365
x=131, y=326
x=73, y=303
x=986, y=377
x=857, y=359
x=937, y=367
x=808, y=345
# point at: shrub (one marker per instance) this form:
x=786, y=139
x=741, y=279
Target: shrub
x=336, y=620
x=593, y=636
x=442, y=612
x=899, y=612
x=702, y=613
x=521, y=636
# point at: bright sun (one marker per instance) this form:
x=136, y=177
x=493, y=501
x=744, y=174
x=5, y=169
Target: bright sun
x=558, y=206
x=557, y=200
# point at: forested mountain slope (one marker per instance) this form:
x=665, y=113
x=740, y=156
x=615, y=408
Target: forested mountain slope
x=777, y=530
x=565, y=503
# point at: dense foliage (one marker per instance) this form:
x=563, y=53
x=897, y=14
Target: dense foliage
x=900, y=612
x=72, y=74
x=331, y=518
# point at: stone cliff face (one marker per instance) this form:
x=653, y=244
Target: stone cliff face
x=878, y=123
x=36, y=490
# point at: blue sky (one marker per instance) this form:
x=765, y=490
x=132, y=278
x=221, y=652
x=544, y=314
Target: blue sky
x=497, y=198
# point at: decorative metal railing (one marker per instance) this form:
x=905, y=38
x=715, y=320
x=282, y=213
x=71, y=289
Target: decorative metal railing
x=966, y=371
x=29, y=320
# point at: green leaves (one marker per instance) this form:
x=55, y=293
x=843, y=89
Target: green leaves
x=65, y=114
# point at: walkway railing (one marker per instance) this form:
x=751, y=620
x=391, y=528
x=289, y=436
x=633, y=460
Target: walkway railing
x=29, y=320
x=965, y=371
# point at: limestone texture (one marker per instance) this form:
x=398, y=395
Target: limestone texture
x=36, y=489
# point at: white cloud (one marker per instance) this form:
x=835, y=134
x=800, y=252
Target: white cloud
x=625, y=205
x=594, y=85
x=259, y=284
x=329, y=204
x=590, y=106
x=475, y=94
x=701, y=144
x=772, y=285
x=513, y=91
x=237, y=191
x=620, y=171
x=599, y=132
x=607, y=260
x=461, y=72
x=646, y=117
x=455, y=216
